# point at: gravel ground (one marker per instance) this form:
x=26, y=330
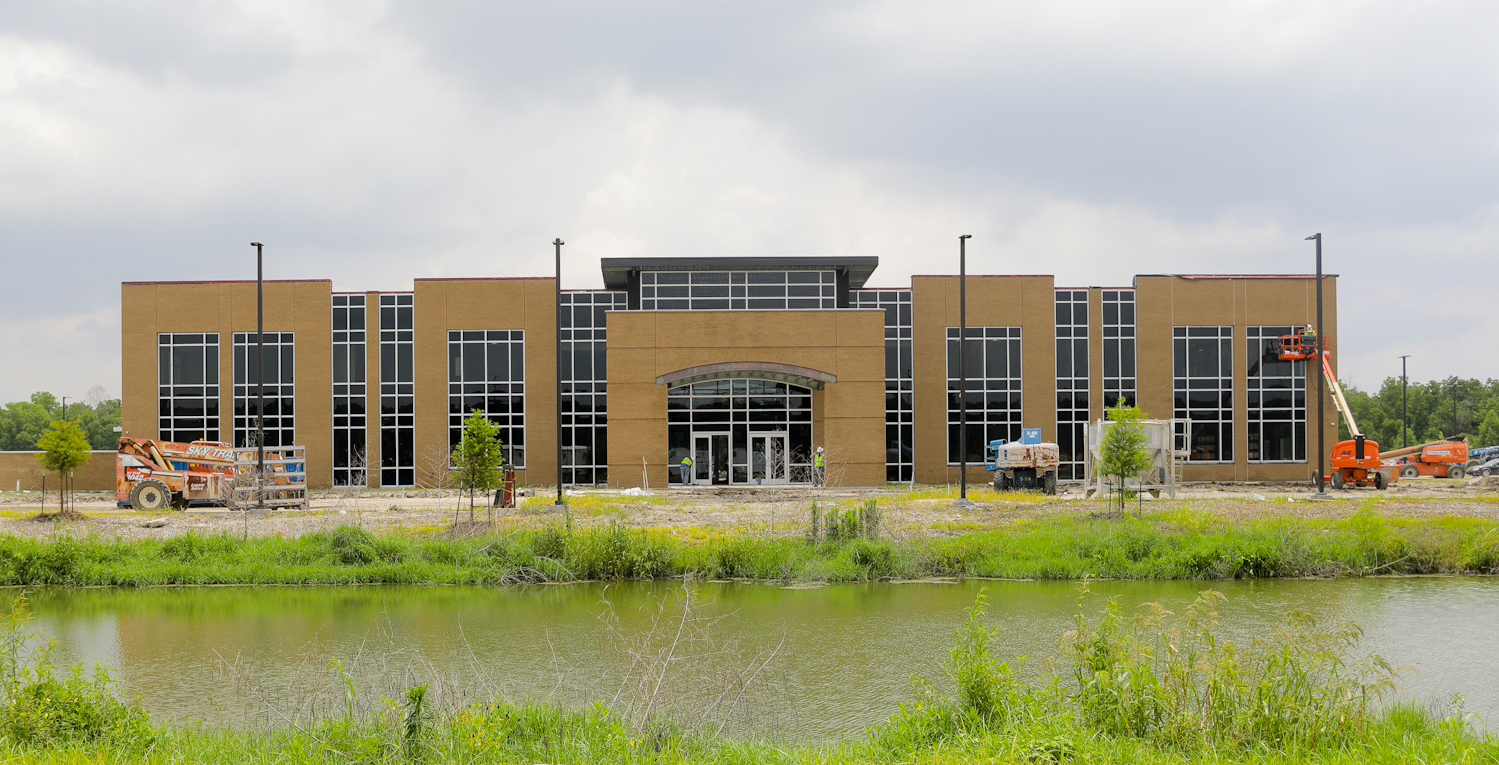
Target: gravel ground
x=767, y=510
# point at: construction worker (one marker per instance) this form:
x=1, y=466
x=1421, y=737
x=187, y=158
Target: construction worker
x=687, y=468
x=1309, y=341
x=819, y=468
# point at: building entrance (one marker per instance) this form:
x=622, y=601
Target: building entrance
x=768, y=459
x=710, y=458
x=744, y=432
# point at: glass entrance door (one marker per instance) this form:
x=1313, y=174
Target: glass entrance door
x=710, y=458
x=768, y=458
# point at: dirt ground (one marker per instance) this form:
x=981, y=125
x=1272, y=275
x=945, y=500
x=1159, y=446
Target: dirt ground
x=929, y=509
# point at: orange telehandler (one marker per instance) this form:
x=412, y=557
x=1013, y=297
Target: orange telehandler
x=1356, y=461
x=151, y=475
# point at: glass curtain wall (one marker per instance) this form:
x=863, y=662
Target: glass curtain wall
x=737, y=290
x=1204, y=388
x=1118, y=347
x=487, y=372
x=187, y=386
x=1277, y=399
x=585, y=375
x=397, y=391
x=741, y=431
x=900, y=435
x=350, y=460
x=1072, y=381
x=994, y=389
x=277, y=383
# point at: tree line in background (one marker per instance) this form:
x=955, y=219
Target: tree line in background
x=22, y=423
x=1430, y=406
x=1436, y=410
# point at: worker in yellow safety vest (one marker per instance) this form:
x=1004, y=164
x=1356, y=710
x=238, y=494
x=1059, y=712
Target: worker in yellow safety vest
x=687, y=468
x=819, y=468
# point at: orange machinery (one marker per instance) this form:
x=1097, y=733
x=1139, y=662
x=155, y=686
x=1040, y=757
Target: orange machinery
x=1447, y=458
x=151, y=475
x=1356, y=461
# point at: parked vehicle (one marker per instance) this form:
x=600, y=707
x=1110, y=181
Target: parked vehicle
x=1025, y=464
x=1447, y=458
x=1485, y=469
x=151, y=475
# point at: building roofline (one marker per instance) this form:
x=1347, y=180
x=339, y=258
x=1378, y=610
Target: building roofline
x=1236, y=276
x=481, y=278
x=233, y=281
x=617, y=270
x=985, y=276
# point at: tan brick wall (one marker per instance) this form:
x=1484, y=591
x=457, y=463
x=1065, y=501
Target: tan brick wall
x=1028, y=302
x=372, y=388
x=302, y=307
x=25, y=470
x=848, y=416
x=1164, y=302
x=446, y=304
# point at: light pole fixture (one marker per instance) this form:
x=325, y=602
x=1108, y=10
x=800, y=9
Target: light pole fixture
x=1404, y=409
x=1321, y=384
x=963, y=369
x=259, y=378
x=557, y=244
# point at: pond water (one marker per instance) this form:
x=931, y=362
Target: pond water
x=759, y=659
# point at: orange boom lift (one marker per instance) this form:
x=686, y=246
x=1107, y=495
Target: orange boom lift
x=1355, y=462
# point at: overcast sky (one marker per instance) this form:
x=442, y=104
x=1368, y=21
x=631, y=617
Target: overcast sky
x=373, y=142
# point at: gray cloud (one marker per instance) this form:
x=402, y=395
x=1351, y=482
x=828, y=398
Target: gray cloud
x=373, y=142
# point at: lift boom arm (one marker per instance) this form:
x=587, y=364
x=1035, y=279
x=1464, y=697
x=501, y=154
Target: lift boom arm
x=1338, y=401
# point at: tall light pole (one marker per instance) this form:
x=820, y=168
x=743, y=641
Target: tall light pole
x=259, y=378
x=557, y=243
x=1321, y=385
x=1404, y=410
x=963, y=369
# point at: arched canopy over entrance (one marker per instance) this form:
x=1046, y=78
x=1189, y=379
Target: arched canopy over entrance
x=805, y=377
x=739, y=430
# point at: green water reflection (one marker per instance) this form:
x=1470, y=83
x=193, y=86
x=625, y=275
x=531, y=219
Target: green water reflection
x=843, y=655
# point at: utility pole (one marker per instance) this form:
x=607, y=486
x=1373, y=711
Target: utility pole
x=963, y=370
x=1404, y=409
x=1321, y=385
x=1454, y=406
x=259, y=379
x=557, y=243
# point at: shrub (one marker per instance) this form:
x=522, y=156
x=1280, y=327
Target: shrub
x=353, y=546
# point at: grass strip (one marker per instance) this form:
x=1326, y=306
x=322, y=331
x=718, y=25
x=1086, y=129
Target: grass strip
x=1178, y=544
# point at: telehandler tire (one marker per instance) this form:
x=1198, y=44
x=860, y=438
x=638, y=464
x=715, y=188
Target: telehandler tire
x=150, y=495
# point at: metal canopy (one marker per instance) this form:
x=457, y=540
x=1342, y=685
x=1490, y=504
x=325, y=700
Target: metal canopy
x=762, y=370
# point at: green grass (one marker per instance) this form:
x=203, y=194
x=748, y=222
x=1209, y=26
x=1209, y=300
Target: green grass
x=1150, y=687
x=1178, y=544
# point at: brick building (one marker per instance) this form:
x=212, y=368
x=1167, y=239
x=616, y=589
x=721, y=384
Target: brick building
x=746, y=363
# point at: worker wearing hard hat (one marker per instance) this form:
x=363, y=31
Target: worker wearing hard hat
x=819, y=468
